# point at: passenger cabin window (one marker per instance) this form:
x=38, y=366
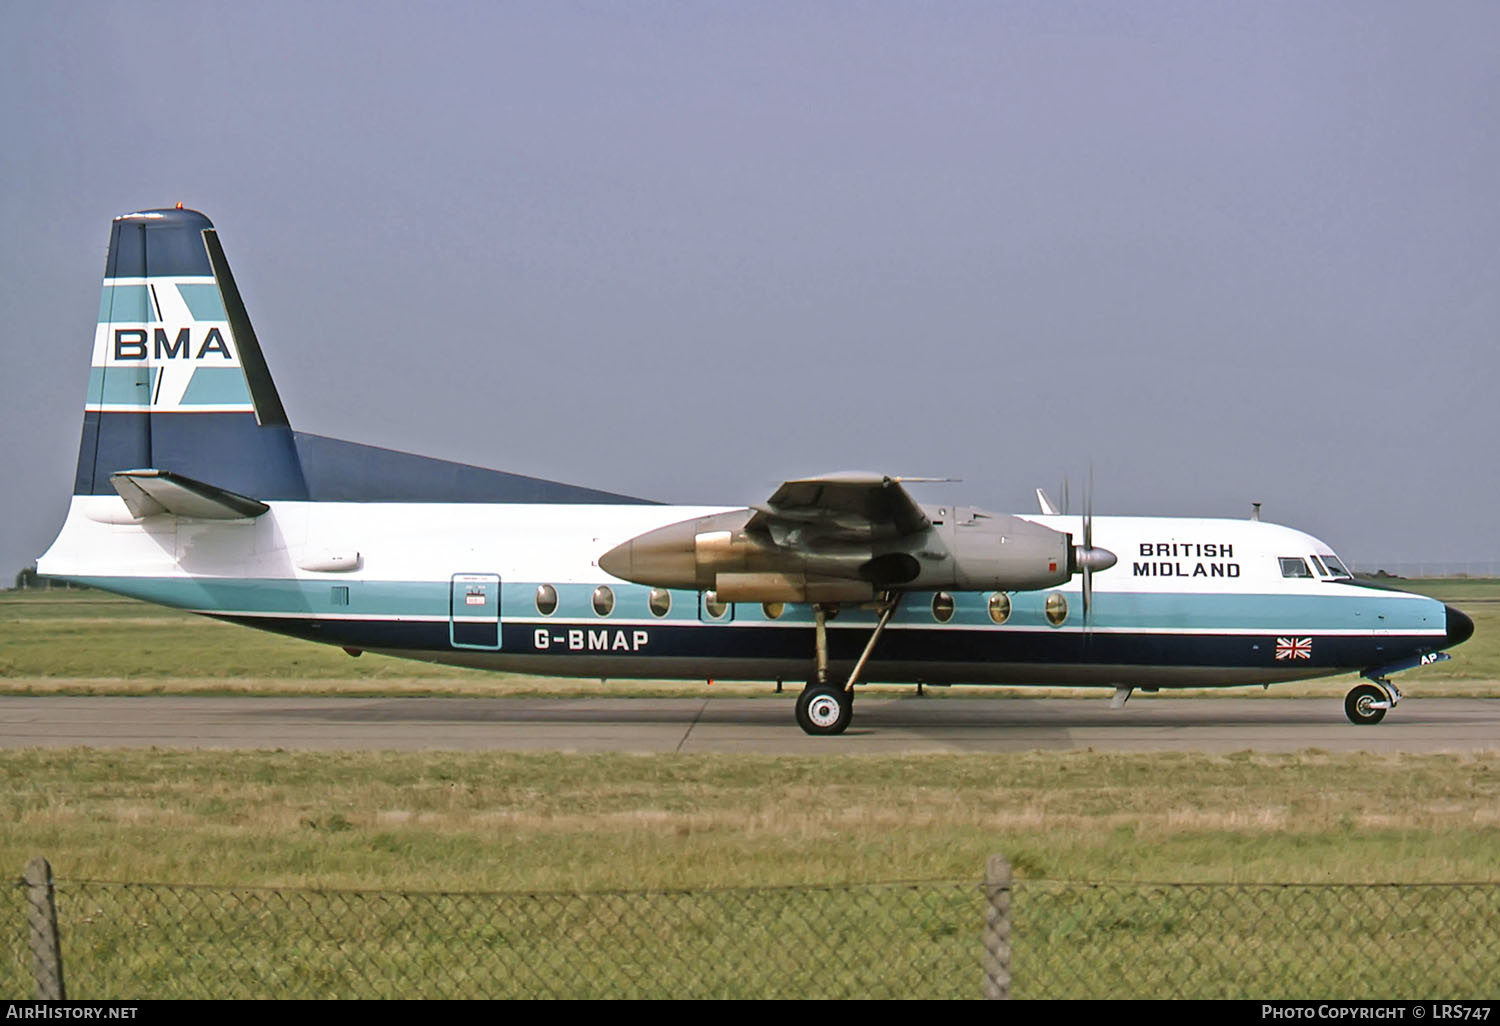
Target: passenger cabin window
x=1056, y=609
x=999, y=607
x=713, y=608
x=1294, y=566
x=604, y=600
x=942, y=607
x=546, y=599
x=773, y=610
x=660, y=602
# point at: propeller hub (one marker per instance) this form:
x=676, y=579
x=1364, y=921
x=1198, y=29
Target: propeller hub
x=1087, y=558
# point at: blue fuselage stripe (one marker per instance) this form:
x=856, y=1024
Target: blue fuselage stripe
x=1130, y=629
x=1343, y=610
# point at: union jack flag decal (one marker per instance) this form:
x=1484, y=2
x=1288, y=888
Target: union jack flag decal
x=1294, y=648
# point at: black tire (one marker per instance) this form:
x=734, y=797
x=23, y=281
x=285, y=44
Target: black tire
x=824, y=710
x=1358, y=707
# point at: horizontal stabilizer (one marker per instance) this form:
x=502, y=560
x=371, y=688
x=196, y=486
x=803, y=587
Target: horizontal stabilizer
x=153, y=492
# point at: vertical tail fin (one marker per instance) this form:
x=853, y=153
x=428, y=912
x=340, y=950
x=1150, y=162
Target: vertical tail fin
x=177, y=381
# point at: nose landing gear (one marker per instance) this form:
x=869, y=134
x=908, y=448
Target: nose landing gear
x=1366, y=703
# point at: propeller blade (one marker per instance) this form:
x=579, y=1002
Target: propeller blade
x=1088, y=548
x=1088, y=558
x=1085, y=558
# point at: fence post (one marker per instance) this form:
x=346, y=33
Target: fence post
x=41, y=919
x=997, y=928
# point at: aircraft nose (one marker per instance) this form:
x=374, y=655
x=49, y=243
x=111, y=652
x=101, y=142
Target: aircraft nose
x=1460, y=627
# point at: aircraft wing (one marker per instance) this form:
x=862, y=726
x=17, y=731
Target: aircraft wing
x=152, y=492
x=845, y=507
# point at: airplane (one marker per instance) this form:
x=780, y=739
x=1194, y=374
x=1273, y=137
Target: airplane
x=194, y=491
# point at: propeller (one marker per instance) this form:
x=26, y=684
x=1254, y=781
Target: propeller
x=1086, y=558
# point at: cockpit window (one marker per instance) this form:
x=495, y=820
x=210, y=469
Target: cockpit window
x=1318, y=563
x=1335, y=567
x=1294, y=566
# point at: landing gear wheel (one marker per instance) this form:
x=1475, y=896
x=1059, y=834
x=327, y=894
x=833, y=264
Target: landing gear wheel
x=1360, y=705
x=822, y=709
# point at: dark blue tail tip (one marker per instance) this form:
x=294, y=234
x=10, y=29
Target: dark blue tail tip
x=1460, y=627
x=158, y=243
x=169, y=217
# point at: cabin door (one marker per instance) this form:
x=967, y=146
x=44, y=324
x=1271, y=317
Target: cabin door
x=474, y=611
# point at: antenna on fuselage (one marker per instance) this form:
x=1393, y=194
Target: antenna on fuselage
x=1255, y=511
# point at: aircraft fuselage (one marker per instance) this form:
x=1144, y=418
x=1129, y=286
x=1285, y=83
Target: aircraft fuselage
x=1191, y=602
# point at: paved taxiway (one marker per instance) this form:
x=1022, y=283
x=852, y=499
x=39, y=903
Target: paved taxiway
x=882, y=724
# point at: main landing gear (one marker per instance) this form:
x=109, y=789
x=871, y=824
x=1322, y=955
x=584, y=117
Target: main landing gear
x=825, y=708
x=1366, y=703
x=822, y=709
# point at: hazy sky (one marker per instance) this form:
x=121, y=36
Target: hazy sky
x=1227, y=251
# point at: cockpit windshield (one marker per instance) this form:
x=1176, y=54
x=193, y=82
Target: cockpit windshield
x=1334, y=566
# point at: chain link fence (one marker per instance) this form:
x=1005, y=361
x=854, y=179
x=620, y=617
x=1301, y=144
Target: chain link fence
x=929, y=939
x=1353, y=941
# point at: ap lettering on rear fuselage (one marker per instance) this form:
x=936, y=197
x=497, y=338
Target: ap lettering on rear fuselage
x=193, y=490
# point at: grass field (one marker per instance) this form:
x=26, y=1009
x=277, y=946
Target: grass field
x=502, y=821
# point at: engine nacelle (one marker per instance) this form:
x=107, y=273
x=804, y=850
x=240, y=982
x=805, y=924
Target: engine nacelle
x=972, y=551
x=718, y=554
x=989, y=552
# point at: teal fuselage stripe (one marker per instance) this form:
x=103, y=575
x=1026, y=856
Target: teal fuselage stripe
x=1354, y=611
